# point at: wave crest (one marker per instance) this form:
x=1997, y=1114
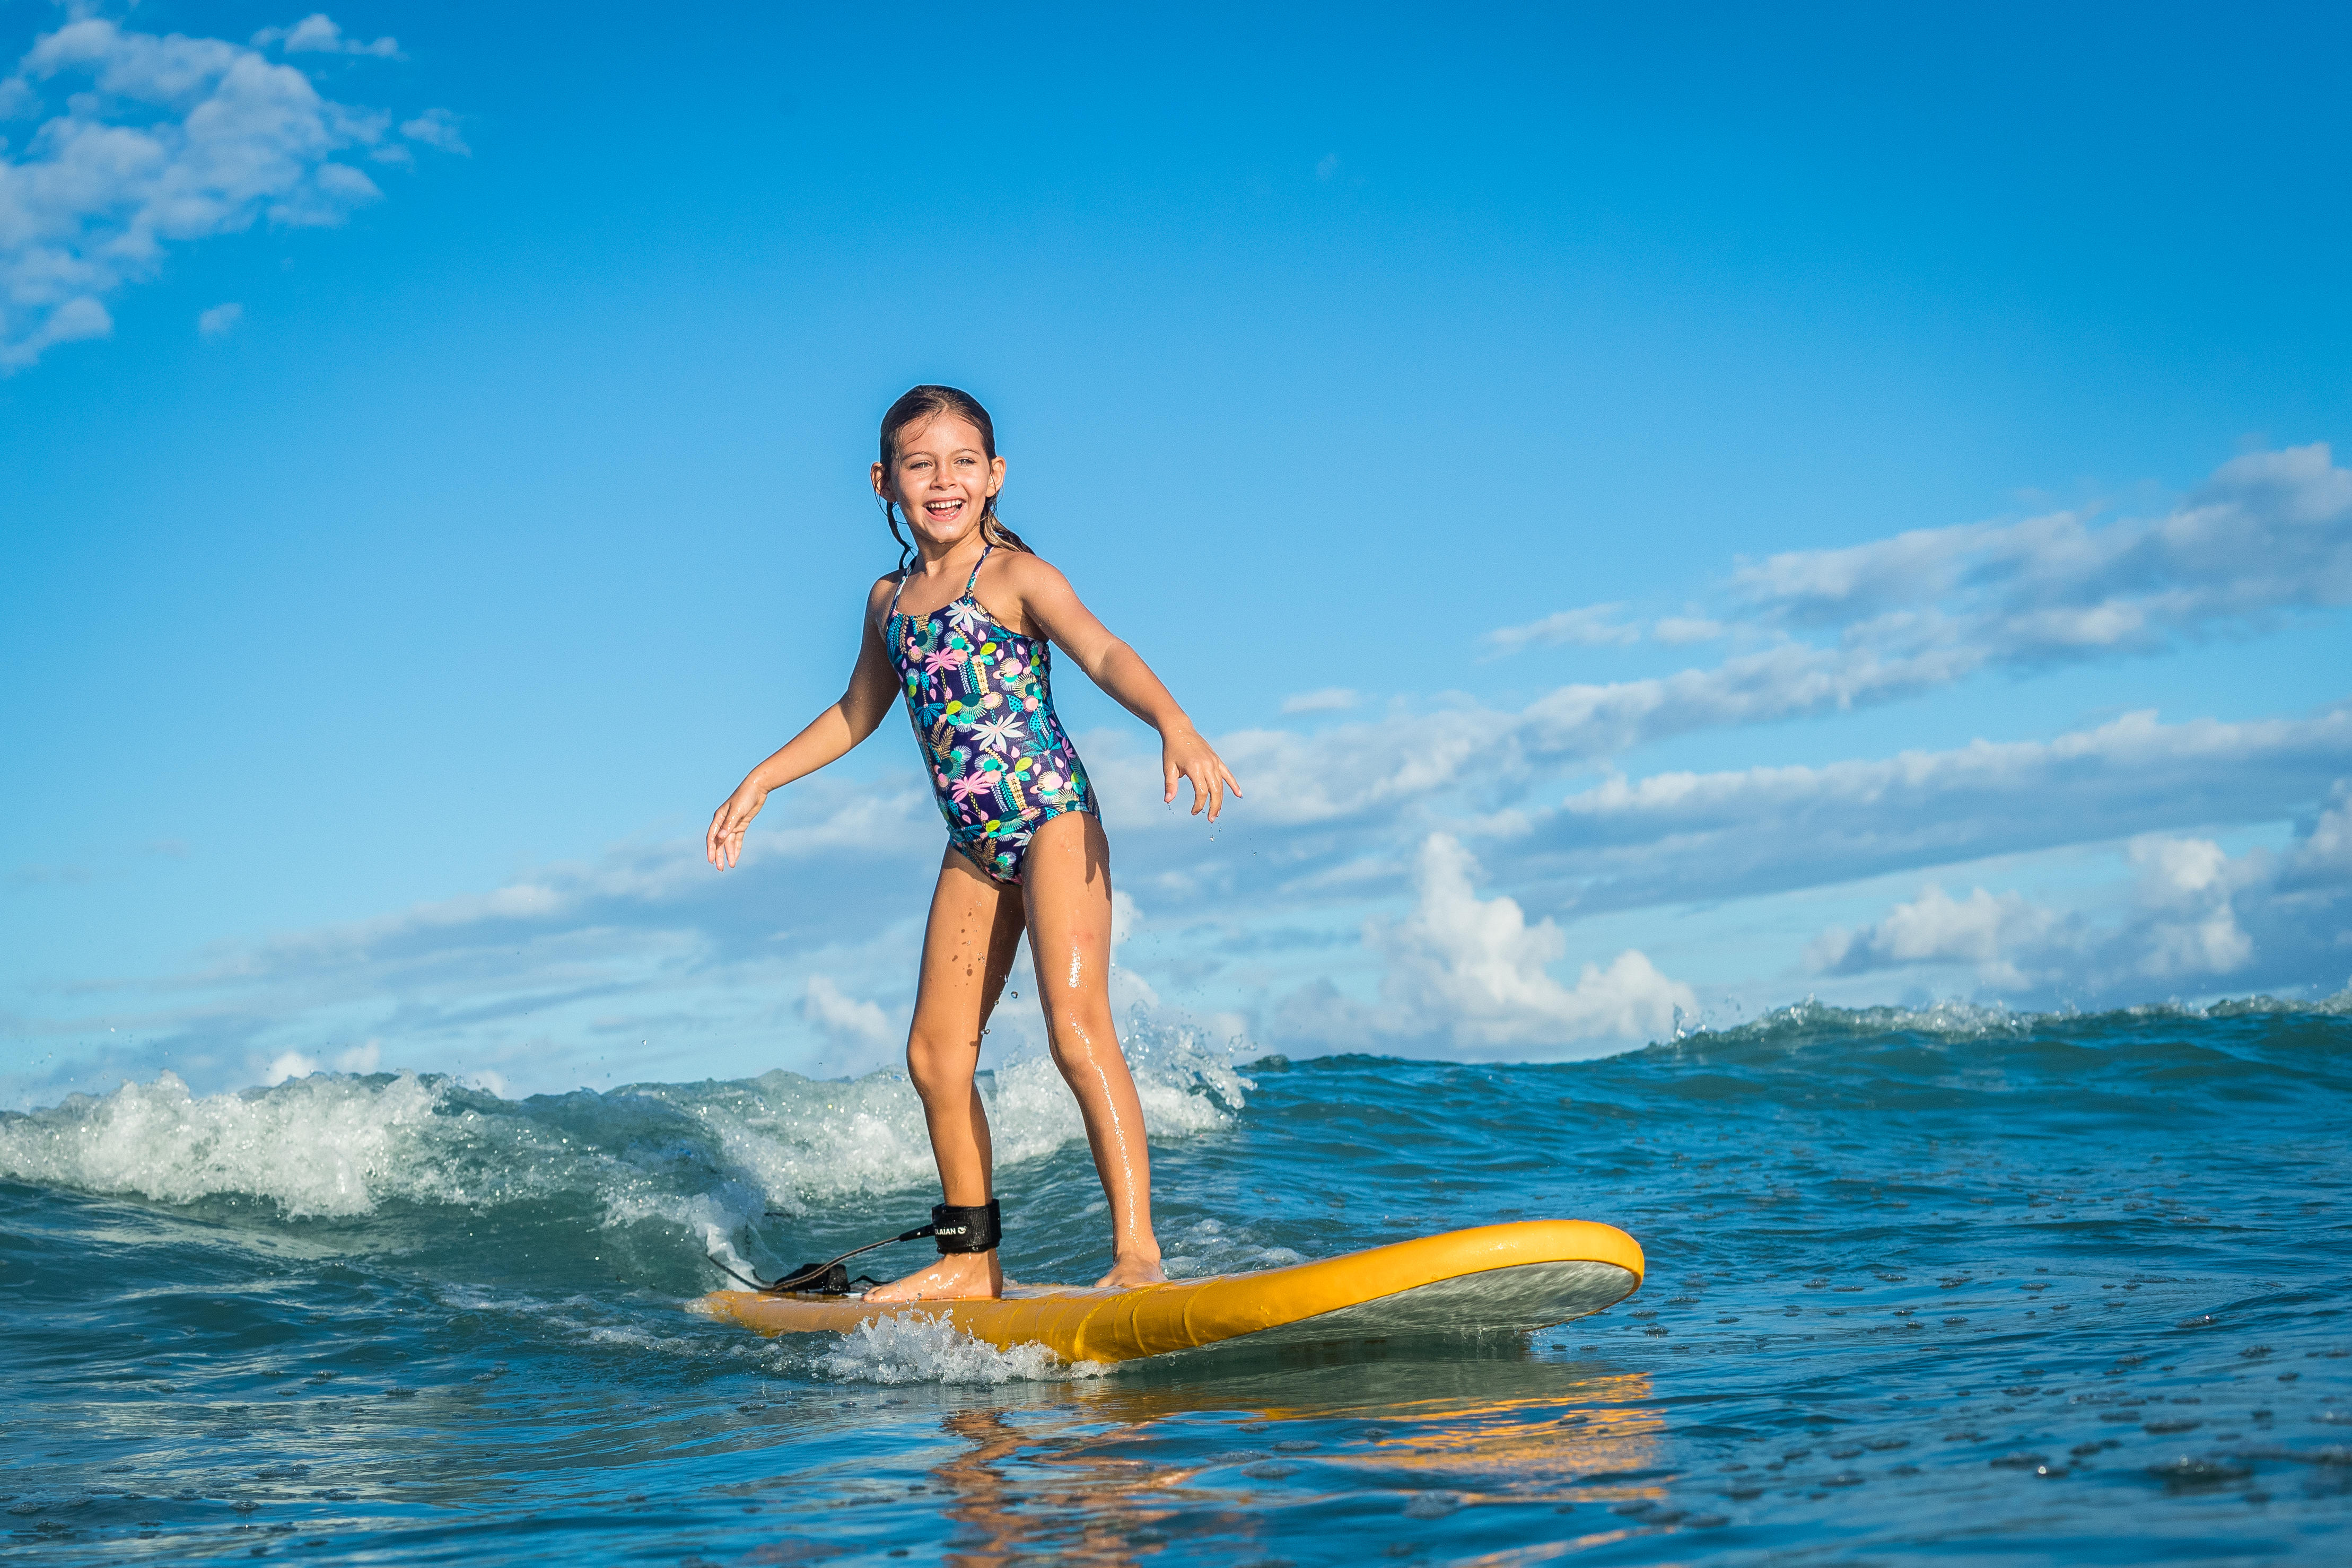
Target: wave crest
x=707, y=1156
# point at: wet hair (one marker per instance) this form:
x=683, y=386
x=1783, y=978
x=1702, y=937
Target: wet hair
x=920, y=406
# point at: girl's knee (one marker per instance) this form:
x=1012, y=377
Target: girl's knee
x=1080, y=1034
x=937, y=1061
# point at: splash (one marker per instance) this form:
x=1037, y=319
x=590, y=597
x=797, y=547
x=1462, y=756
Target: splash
x=705, y=1157
x=322, y=1147
x=928, y=1350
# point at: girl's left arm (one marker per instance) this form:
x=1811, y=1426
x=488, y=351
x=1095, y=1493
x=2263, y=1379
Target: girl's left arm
x=1051, y=605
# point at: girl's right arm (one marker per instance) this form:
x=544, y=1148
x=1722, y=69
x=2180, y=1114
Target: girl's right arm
x=873, y=686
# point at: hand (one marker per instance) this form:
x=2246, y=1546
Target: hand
x=723, y=845
x=1184, y=754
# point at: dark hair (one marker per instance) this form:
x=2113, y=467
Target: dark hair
x=920, y=406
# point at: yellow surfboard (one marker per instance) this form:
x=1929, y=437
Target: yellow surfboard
x=1517, y=1276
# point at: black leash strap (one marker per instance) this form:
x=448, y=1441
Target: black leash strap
x=974, y=1228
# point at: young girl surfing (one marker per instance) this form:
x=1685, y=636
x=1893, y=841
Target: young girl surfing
x=963, y=632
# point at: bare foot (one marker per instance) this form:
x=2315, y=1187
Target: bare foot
x=956, y=1277
x=1130, y=1270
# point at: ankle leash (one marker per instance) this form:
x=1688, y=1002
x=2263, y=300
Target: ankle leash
x=959, y=1228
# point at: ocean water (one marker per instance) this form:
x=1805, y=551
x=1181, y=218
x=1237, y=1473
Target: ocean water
x=1953, y=1286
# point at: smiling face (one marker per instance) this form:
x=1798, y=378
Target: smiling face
x=941, y=478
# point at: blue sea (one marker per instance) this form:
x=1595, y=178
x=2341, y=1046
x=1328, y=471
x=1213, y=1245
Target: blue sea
x=1950, y=1286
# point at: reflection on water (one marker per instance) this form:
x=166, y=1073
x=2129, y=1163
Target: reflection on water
x=1121, y=1472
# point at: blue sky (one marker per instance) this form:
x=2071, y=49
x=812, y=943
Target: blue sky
x=1706, y=496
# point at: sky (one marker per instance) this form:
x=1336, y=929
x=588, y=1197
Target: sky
x=1668, y=513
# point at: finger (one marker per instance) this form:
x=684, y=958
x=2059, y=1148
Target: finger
x=1199, y=796
x=1231, y=782
x=1216, y=795
x=1171, y=770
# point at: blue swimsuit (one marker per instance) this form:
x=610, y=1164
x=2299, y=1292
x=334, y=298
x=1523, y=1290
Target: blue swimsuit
x=983, y=706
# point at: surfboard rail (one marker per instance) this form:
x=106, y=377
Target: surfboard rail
x=1081, y=1323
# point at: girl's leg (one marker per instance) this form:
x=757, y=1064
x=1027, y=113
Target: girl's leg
x=1067, y=882
x=967, y=948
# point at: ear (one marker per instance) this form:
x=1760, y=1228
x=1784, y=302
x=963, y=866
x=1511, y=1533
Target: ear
x=995, y=474
x=882, y=483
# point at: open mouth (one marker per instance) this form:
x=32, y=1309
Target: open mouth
x=944, y=510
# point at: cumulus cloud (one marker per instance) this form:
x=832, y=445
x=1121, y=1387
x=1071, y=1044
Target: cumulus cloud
x=2194, y=918
x=219, y=321
x=2188, y=886
x=1679, y=630
x=159, y=140
x=1689, y=836
x=2292, y=505
x=2268, y=531
x=436, y=128
x=1476, y=974
x=1593, y=626
x=1327, y=699
x=844, y=1017
x=317, y=34
x=1981, y=930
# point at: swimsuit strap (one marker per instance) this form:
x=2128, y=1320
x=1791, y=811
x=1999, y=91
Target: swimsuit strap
x=891, y=613
x=975, y=569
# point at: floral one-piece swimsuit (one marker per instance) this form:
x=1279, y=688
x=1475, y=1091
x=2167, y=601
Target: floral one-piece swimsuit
x=981, y=701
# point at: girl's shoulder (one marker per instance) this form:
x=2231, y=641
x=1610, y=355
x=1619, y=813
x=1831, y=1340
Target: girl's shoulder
x=879, y=597
x=1023, y=571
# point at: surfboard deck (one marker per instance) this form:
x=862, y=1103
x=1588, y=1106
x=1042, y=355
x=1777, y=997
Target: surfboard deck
x=1517, y=1276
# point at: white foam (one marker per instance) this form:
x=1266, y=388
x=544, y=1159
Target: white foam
x=931, y=1350
x=335, y=1145
x=809, y=1142
x=317, y=1145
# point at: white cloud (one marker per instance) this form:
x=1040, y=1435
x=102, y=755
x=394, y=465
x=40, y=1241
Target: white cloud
x=436, y=128
x=290, y=1064
x=2270, y=531
x=843, y=1017
x=1327, y=699
x=2323, y=856
x=167, y=139
x=1593, y=626
x=1690, y=836
x=1476, y=971
x=2186, y=885
x=317, y=34
x=1979, y=930
x=363, y=1058
x=2195, y=917
x=1410, y=758
x=218, y=322
x=1679, y=630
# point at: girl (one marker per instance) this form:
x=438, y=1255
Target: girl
x=961, y=630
